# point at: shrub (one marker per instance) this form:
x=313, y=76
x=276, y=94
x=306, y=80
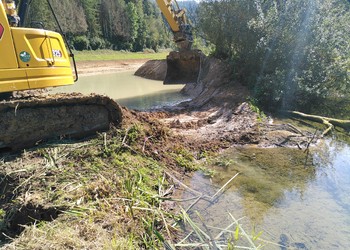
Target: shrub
x=97, y=43
x=81, y=43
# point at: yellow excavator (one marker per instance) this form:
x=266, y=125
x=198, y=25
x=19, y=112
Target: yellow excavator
x=34, y=58
x=31, y=58
x=37, y=59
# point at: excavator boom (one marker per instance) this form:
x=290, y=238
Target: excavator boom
x=183, y=66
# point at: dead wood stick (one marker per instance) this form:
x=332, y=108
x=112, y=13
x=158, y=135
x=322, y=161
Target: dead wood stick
x=223, y=187
x=328, y=121
x=186, y=187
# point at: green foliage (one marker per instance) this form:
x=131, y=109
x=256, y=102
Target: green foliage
x=255, y=108
x=97, y=43
x=292, y=54
x=184, y=159
x=116, y=24
x=81, y=43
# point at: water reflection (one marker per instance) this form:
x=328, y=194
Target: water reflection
x=153, y=101
x=131, y=91
x=298, y=204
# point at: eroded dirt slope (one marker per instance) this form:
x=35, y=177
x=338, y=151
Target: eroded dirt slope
x=219, y=114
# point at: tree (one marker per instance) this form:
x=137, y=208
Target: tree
x=69, y=13
x=91, y=8
x=94, y=24
x=290, y=53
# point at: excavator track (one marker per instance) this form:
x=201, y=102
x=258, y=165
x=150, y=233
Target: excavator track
x=27, y=122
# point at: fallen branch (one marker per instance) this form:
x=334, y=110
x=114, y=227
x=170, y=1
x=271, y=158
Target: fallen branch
x=329, y=122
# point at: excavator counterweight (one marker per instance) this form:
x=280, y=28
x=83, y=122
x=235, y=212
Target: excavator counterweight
x=35, y=58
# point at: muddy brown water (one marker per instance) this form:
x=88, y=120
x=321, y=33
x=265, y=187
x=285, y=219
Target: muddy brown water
x=131, y=91
x=296, y=203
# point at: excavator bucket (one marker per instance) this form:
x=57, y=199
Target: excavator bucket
x=183, y=67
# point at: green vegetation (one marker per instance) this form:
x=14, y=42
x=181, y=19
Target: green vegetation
x=109, y=24
x=184, y=159
x=88, y=55
x=105, y=193
x=292, y=54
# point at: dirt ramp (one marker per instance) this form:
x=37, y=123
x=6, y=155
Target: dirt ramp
x=26, y=122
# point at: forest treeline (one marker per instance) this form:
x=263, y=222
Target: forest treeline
x=293, y=54
x=132, y=25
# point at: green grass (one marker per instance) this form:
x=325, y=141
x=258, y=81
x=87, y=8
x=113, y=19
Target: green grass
x=93, y=55
x=106, y=190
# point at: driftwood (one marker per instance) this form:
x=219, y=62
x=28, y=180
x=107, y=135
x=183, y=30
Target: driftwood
x=329, y=122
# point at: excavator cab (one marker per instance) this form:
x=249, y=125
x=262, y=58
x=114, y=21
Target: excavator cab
x=35, y=58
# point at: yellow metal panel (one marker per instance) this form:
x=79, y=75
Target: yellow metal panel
x=7, y=50
x=12, y=80
x=49, y=77
x=58, y=48
x=31, y=58
x=44, y=48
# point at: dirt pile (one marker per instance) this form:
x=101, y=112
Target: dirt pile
x=153, y=69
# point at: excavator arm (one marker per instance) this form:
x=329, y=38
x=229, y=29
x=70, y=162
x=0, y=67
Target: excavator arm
x=177, y=21
x=183, y=66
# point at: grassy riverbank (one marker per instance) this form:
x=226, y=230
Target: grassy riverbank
x=97, y=55
x=109, y=192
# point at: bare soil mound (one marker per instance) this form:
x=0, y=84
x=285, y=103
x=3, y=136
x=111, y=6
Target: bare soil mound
x=153, y=69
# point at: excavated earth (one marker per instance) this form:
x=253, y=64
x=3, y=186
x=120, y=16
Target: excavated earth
x=219, y=114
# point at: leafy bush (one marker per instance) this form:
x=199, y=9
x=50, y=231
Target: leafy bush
x=97, y=43
x=81, y=43
x=292, y=54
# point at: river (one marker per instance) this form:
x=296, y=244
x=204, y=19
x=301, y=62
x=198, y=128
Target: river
x=131, y=91
x=295, y=201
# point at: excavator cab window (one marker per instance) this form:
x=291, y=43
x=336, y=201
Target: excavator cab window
x=11, y=12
